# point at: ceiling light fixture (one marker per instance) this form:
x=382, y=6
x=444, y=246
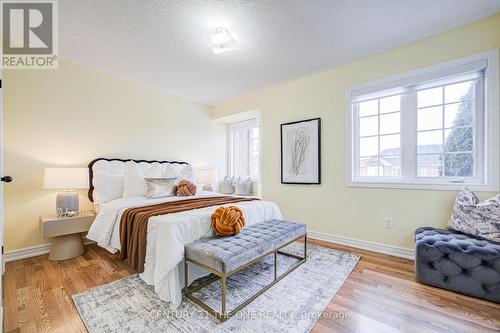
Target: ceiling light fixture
x=222, y=41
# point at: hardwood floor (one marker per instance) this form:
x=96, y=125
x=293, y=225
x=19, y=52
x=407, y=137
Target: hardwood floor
x=381, y=295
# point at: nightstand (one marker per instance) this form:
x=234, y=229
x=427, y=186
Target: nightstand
x=67, y=233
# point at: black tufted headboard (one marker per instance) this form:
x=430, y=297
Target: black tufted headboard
x=91, y=172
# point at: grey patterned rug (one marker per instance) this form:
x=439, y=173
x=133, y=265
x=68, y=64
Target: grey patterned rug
x=293, y=305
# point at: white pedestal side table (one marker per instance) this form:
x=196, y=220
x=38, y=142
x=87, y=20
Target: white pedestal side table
x=67, y=234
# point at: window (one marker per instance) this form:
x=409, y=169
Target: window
x=379, y=137
x=244, y=148
x=446, y=129
x=436, y=127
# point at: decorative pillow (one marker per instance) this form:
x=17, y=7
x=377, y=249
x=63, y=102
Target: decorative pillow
x=227, y=185
x=107, y=187
x=476, y=218
x=170, y=171
x=243, y=186
x=185, y=172
x=134, y=185
x=185, y=188
x=228, y=221
x=160, y=187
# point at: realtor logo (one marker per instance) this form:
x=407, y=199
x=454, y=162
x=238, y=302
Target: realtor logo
x=29, y=34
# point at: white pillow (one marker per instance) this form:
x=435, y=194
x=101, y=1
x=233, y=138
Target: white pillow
x=185, y=173
x=134, y=184
x=170, y=171
x=243, y=186
x=227, y=185
x=107, y=187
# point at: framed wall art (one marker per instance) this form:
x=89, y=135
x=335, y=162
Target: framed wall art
x=301, y=152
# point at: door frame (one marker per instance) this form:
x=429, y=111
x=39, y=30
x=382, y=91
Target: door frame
x=2, y=262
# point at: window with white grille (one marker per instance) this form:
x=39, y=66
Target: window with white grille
x=244, y=149
x=432, y=128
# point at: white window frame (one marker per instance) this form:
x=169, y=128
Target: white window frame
x=247, y=124
x=487, y=163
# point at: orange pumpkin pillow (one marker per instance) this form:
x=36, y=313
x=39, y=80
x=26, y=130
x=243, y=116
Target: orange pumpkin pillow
x=228, y=221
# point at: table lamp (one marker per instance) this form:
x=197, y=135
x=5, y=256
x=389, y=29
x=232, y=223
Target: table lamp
x=207, y=177
x=68, y=180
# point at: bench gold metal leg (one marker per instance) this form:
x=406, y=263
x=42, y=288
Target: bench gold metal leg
x=186, y=272
x=223, y=292
x=305, y=246
x=275, y=265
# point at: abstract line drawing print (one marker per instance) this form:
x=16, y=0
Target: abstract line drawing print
x=298, y=141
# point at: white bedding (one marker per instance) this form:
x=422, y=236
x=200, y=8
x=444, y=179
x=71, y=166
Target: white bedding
x=167, y=235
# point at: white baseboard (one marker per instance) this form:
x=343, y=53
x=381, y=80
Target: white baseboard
x=27, y=252
x=357, y=243
x=32, y=251
x=364, y=245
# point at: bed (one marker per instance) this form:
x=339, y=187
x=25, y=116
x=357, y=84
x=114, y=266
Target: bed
x=166, y=234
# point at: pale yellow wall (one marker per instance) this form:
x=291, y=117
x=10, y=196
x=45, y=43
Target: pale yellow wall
x=332, y=207
x=72, y=115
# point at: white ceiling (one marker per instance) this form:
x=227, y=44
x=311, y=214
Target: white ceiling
x=164, y=43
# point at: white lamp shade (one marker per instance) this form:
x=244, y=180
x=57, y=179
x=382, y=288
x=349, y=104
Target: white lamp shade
x=206, y=176
x=66, y=178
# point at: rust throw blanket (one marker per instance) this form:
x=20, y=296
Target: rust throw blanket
x=134, y=224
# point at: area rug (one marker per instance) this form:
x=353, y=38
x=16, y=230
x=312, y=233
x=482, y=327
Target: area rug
x=292, y=305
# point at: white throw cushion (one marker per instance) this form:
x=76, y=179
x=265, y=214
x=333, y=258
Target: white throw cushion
x=170, y=171
x=476, y=218
x=107, y=187
x=227, y=185
x=243, y=186
x=185, y=172
x=160, y=187
x=134, y=184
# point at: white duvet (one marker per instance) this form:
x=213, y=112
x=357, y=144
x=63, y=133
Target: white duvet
x=167, y=235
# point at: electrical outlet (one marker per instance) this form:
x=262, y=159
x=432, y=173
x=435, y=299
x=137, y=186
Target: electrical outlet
x=388, y=223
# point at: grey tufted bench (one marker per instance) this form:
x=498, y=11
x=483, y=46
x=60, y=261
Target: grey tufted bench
x=224, y=256
x=455, y=261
